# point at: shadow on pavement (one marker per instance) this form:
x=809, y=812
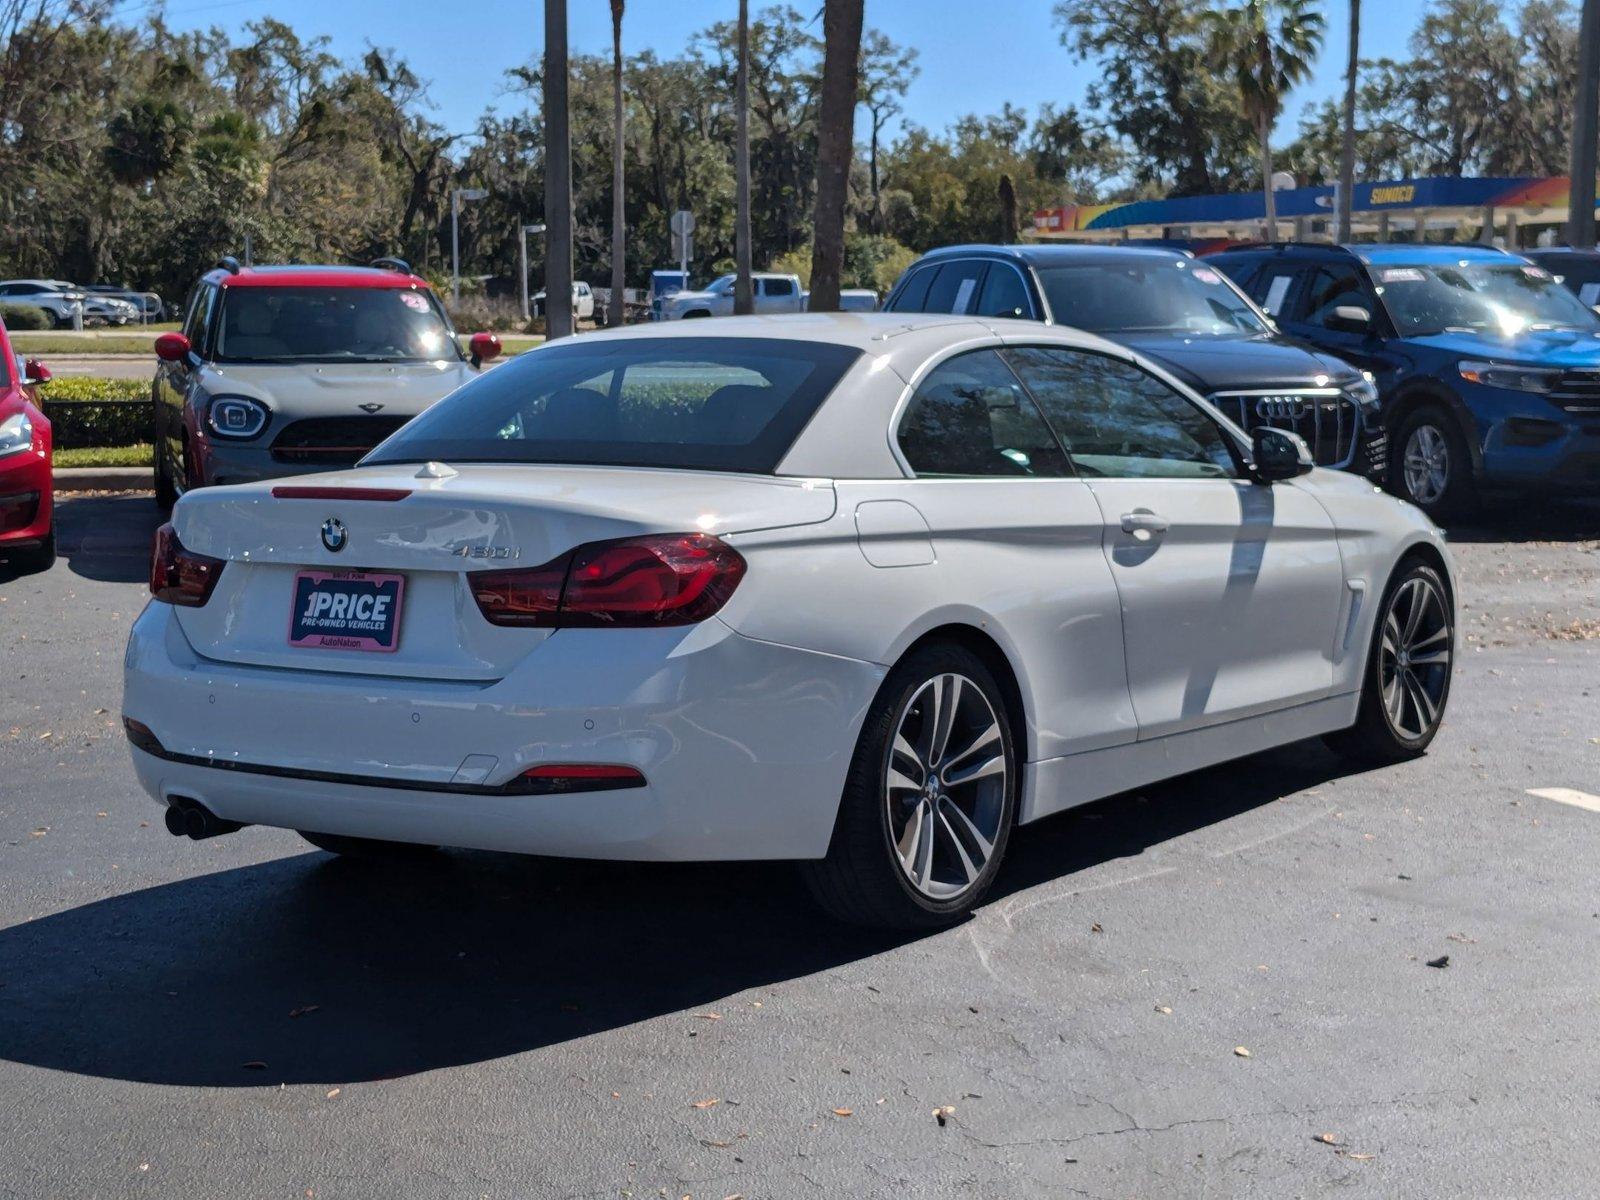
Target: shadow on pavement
x=1530, y=519
x=475, y=956
x=107, y=537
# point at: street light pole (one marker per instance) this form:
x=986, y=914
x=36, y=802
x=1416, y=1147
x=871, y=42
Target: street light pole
x=457, y=195
x=1580, y=210
x=522, y=276
x=557, y=175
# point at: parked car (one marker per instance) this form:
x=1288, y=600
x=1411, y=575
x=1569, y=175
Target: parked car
x=27, y=489
x=662, y=285
x=774, y=293
x=736, y=590
x=63, y=305
x=1185, y=315
x=582, y=301
x=107, y=310
x=1489, y=370
x=284, y=370
x=147, y=304
x=1576, y=270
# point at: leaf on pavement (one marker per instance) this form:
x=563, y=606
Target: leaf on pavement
x=1441, y=962
x=303, y=1010
x=710, y=1102
x=844, y=1112
x=1241, y=1051
x=944, y=1112
x=334, y=1092
x=1328, y=1139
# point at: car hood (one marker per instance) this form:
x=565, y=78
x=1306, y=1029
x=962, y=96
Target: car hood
x=337, y=389
x=1211, y=364
x=1539, y=347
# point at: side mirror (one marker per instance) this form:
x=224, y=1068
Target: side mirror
x=172, y=347
x=1278, y=454
x=1349, y=318
x=35, y=371
x=483, y=347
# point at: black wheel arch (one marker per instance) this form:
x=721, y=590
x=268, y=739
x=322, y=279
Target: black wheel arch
x=1417, y=394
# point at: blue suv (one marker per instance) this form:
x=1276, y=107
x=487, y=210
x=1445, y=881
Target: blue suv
x=1487, y=368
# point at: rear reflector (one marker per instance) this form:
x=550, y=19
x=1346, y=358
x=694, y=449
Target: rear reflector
x=140, y=736
x=581, y=777
x=179, y=576
x=339, y=493
x=640, y=582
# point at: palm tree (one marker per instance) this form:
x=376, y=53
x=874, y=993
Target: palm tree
x=841, y=71
x=557, y=174
x=743, y=292
x=1347, y=150
x=619, y=219
x=1267, y=47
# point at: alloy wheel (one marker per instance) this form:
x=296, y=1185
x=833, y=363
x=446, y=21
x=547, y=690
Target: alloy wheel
x=945, y=786
x=1427, y=464
x=1414, y=659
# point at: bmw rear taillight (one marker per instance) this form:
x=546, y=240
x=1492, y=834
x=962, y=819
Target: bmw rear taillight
x=665, y=579
x=179, y=576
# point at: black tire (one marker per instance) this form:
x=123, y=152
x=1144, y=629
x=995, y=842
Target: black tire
x=697, y=314
x=367, y=849
x=1376, y=737
x=862, y=881
x=1433, y=425
x=34, y=560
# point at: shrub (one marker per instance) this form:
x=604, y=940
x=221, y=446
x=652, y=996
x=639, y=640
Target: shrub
x=87, y=412
x=24, y=316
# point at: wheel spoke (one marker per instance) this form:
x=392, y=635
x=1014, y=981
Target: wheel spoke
x=1394, y=698
x=993, y=765
x=902, y=783
x=987, y=738
x=976, y=839
x=913, y=831
x=1417, y=601
x=1426, y=709
x=1430, y=658
x=968, y=867
x=907, y=755
x=1391, y=635
x=922, y=868
x=950, y=702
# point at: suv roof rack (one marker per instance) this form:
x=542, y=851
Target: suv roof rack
x=392, y=264
x=229, y=263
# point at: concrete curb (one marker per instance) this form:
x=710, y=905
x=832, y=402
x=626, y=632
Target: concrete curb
x=103, y=479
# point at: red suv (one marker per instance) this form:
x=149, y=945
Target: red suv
x=27, y=496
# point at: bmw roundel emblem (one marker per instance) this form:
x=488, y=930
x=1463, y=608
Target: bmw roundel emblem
x=334, y=534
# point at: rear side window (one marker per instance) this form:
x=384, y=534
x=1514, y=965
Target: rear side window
x=956, y=288
x=970, y=417
x=1004, y=293
x=780, y=287
x=1329, y=288
x=1271, y=287
x=1119, y=422
x=913, y=295
x=712, y=404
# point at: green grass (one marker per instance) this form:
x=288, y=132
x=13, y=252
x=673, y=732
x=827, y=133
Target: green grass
x=78, y=343
x=104, y=456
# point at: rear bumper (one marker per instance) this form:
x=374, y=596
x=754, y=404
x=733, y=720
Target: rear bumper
x=743, y=744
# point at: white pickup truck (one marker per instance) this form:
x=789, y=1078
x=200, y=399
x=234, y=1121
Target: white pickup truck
x=774, y=294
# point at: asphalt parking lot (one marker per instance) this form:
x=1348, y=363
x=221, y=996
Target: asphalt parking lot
x=249, y=1017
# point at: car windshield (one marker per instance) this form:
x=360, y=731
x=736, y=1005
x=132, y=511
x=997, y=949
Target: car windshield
x=1161, y=297
x=332, y=324
x=1479, y=297
x=723, y=283
x=704, y=403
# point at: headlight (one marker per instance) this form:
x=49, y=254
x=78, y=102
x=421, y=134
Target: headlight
x=1504, y=375
x=16, y=435
x=237, y=417
x=1363, y=391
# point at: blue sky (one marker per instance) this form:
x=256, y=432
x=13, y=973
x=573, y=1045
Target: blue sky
x=974, y=56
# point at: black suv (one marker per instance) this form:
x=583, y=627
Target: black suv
x=1180, y=313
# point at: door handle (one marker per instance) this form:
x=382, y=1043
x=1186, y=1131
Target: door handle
x=1142, y=520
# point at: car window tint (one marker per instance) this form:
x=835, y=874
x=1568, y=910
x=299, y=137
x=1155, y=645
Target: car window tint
x=1270, y=289
x=197, y=322
x=956, y=288
x=913, y=294
x=1004, y=293
x=1118, y=421
x=704, y=403
x=780, y=287
x=1330, y=288
x=970, y=417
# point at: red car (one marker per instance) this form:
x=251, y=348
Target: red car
x=27, y=495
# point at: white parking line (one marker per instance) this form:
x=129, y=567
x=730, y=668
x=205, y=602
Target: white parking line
x=1568, y=796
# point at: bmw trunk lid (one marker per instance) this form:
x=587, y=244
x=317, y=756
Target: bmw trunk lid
x=431, y=532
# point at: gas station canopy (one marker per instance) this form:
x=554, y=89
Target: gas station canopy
x=1381, y=209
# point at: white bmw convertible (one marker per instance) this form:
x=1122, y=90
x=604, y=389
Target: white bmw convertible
x=862, y=591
